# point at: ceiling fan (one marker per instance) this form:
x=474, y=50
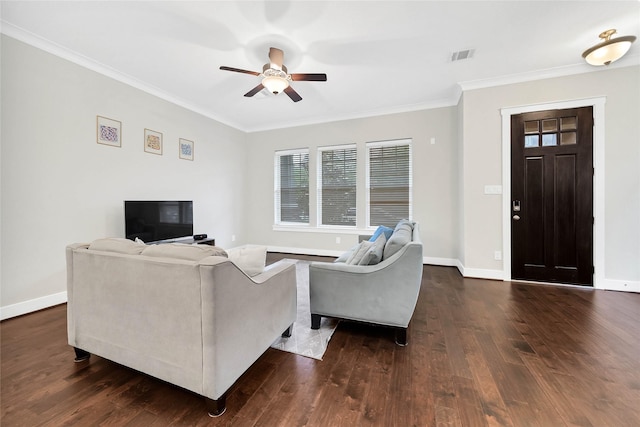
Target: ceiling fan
x=276, y=78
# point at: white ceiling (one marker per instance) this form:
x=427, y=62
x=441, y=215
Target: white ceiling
x=380, y=57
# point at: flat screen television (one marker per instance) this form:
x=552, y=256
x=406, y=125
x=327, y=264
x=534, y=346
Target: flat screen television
x=156, y=220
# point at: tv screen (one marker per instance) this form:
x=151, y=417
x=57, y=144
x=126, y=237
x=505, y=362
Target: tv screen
x=151, y=221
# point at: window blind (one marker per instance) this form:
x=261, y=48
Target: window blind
x=337, y=186
x=292, y=187
x=389, y=180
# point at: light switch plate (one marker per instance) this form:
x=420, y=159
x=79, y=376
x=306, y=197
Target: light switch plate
x=493, y=189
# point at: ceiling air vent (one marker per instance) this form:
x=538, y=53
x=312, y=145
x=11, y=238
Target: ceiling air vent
x=462, y=54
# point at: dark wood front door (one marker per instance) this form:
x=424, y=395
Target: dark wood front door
x=552, y=196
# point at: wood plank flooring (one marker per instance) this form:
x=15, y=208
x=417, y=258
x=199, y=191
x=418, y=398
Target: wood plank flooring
x=480, y=353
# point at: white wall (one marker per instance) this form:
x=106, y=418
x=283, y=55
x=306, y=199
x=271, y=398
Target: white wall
x=435, y=178
x=482, y=159
x=59, y=186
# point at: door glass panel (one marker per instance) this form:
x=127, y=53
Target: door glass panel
x=549, y=125
x=532, y=126
x=530, y=141
x=568, y=123
x=549, y=139
x=567, y=138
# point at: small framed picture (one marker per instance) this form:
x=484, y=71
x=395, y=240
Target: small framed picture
x=186, y=149
x=152, y=141
x=109, y=132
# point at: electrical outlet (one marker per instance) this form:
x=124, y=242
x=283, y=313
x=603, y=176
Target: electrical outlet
x=233, y=237
x=497, y=255
x=338, y=240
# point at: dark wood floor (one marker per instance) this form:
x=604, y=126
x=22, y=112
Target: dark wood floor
x=480, y=353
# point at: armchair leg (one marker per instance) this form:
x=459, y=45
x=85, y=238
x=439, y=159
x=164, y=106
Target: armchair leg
x=287, y=332
x=81, y=355
x=401, y=336
x=215, y=408
x=315, y=321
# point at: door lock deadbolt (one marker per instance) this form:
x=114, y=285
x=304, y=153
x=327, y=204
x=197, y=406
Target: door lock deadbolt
x=516, y=205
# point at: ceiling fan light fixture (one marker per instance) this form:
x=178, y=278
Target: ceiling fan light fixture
x=275, y=84
x=609, y=50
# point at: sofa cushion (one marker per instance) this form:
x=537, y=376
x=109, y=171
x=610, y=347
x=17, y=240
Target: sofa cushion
x=381, y=230
x=400, y=237
x=183, y=251
x=117, y=244
x=250, y=259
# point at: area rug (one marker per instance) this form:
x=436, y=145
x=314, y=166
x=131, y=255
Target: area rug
x=304, y=340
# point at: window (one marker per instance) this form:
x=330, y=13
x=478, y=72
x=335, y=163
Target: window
x=389, y=182
x=337, y=185
x=292, y=187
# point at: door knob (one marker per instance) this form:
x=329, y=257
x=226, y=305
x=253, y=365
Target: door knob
x=516, y=217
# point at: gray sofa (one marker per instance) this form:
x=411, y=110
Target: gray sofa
x=176, y=312
x=384, y=293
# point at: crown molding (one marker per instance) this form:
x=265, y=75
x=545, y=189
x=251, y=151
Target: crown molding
x=581, y=68
x=53, y=48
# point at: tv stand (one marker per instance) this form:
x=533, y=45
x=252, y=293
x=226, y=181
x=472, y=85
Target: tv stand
x=187, y=241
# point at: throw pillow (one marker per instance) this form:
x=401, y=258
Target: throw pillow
x=250, y=259
x=345, y=256
x=381, y=230
x=374, y=254
x=407, y=222
x=400, y=237
x=117, y=244
x=183, y=251
x=360, y=252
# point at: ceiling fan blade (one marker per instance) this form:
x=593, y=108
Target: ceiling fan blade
x=276, y=56
x=240, y=70
x=254, y=90
x=292, y=94
x=310, y=77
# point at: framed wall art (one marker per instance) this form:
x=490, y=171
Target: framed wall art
x=152, y=141
x=108, y=131
x=185, y=149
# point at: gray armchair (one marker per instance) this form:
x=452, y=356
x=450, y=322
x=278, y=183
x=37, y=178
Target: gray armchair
x=385, y=293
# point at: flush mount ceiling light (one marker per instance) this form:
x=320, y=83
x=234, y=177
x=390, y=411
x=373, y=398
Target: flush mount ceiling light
x=609, y=50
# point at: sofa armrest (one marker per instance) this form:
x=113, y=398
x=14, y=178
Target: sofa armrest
x=241, y=317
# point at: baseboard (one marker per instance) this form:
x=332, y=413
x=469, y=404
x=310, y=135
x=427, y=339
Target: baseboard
x=618, y=285
x=32, y=305
x=444, y=262
x=480, y=273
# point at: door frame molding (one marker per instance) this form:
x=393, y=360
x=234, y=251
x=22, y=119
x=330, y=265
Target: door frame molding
x=598, y=179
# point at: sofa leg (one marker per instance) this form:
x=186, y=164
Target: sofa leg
x=401, y=336
x=315, y=321
x=81, y=355
x=215, y=408
x=287, y=332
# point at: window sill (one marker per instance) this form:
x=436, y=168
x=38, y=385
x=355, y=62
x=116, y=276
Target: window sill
x=322, y=229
